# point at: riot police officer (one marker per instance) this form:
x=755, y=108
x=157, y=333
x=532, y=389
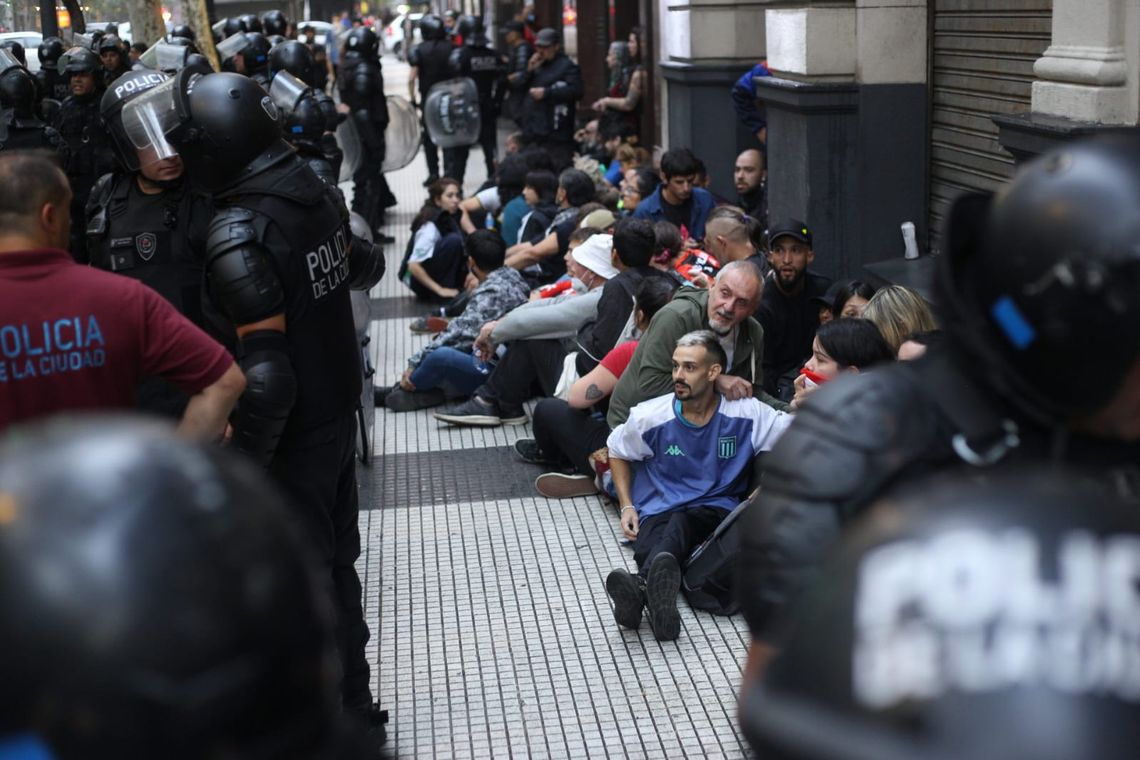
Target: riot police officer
x=20, y=127
x=1040, y=299
x=430, y=62
x=362, y=90
x=250, y=23
x=246, y=53
x=297, y=59
x=476, y=60
x=225, y=28
x=144, y=221
x=215, y=642
x=89, y=150
x=184, y=31
x=982, y=615
x=280, y=261
x=52, y=83
x=303, y=123
x=274, y=23
x=114, y=58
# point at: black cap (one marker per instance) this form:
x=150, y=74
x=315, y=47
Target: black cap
x=792, y=227
x=547, y=37
x=828, y=297
x=514, y=26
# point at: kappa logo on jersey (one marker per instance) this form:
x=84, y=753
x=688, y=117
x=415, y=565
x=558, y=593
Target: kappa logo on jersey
x=146, y=244
x=674, y=451
x=726, y=447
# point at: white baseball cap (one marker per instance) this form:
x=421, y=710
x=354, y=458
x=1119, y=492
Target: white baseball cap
x=594, y=254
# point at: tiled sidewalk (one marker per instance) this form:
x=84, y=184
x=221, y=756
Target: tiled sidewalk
x=491, y=627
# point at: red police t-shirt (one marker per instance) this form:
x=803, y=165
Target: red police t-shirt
x=73, y=338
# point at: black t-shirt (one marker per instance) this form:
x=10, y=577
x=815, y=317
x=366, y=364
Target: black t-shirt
x=789, y=323
x=680, y=215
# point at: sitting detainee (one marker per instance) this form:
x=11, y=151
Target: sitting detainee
x=445, y=367
x=680, y=464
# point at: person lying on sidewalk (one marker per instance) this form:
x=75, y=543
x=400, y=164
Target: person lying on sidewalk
x=680, y=463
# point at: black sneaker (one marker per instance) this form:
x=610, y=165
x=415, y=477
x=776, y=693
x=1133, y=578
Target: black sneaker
x=529, y=452
x=661, y=589
x=512, y=414
x=380, y=393
x=431, y=178
x=628, y=594
x=400, y=400
x=473, y=412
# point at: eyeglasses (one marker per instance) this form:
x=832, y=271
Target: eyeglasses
x=630, y=191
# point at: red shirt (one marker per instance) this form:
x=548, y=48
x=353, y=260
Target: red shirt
x=76, y=338
x=619, y=357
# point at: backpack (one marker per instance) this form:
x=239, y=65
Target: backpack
x=708, y=580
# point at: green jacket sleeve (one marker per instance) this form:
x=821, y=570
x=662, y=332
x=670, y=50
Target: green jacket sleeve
x=650, y=371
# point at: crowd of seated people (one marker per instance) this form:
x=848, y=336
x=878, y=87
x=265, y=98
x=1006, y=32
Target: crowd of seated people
x=607, y=311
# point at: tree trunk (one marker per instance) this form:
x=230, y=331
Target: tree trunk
x=146, y=21
x=194, y=11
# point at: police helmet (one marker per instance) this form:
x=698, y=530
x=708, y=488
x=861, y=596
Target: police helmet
x=1040, y=282
x=224, y=126
x=18, y=90
x=225, y=29
x=257, y=53
x=185, y=42
x=294, y=57
x=16, y=49
x=185, y=31
x=160, y=601
x=431, y=27
x=110, y=42
x=49, y=51
x=967, y=616
x=250, y=22
x=274, y=22
x=362, y=41
x=470, y=28
x=122, y=91
x=79, y=59
x=275, y=40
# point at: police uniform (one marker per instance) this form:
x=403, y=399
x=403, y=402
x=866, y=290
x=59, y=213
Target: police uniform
x=159, y=240
x=362, y=90
x=485, y=67
x=89, y=158
x=432, y=61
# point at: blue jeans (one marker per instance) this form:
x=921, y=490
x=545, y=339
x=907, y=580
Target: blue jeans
x=450, y=370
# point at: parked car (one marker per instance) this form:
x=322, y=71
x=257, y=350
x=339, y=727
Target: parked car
x=31, y=42
x=394, y=38
x=320, y=28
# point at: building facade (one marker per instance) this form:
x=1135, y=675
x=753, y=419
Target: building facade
x=881, y=111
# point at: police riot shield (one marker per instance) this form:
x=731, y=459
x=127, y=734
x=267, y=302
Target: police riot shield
x=162, y=56
x=402, y=137
x=349, y=141
x=9, y=61
x=451, y=112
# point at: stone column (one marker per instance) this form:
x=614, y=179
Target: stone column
x=1089, y=78
x=847, y=125
x=1083, y=75
x=706, y=45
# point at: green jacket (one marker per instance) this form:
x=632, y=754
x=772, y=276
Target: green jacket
x=650, y=371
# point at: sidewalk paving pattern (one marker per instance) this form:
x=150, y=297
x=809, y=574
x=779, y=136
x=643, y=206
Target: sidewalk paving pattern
x=492, y=635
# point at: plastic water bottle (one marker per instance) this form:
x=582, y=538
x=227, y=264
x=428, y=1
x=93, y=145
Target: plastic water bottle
x=909, y=240
x=484, y=367
x=489, y=221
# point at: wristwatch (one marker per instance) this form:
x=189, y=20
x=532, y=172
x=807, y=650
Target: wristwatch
x=627, y=506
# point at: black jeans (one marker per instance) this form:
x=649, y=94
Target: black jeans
x=677, y=531
x=318, y=473
x=530, y=368
x=568, y=433
x=431, y=153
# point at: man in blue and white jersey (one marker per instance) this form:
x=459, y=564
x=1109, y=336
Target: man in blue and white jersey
x=680, y=463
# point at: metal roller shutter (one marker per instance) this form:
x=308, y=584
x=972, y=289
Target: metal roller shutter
x=982, y=65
